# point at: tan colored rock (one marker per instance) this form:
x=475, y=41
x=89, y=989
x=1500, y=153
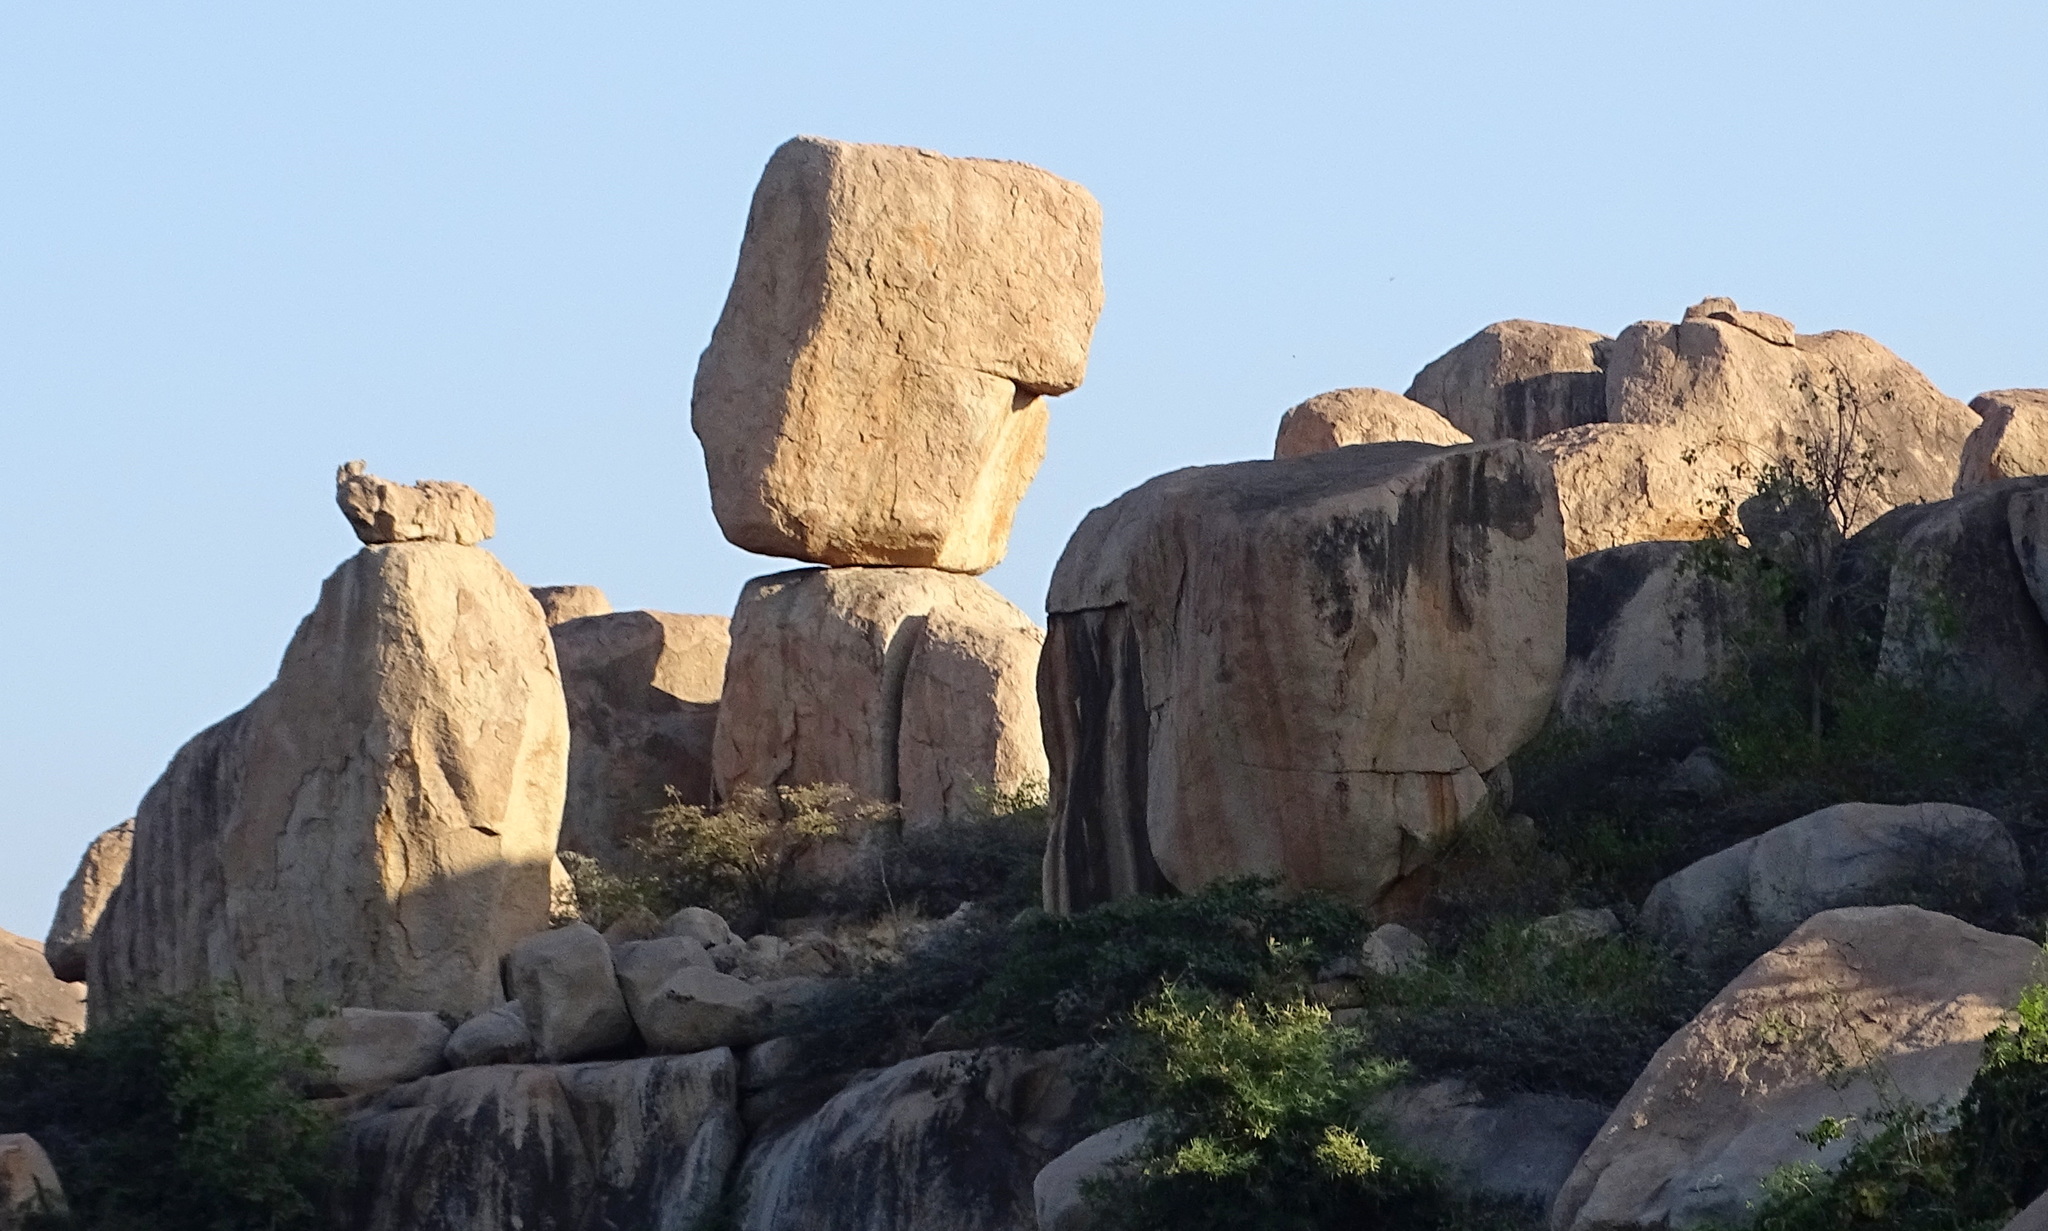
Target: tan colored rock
x=28, y=1183
x=874, y=390
x=31, y=993
x=431, y=511
x=1621, y=483
x=643, y=689
x=1517, y=380
x=568, y=991
x=1728, y=380
x=376, y=828
x=85, y=898
x=2010, y=439
x=1645, y=624
x=367, y=1050
x=1360, y=417
x=560, y=604
x=970, y=713
x=819, y=685
x=1720, y=1104
x=1296, y=668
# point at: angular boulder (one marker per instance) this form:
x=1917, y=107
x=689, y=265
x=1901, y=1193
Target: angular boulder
x=2010, y=440
x=432, y=511
x=1059, y=1191
x=1789, y=1042
x=568, y=991
x=1519, y=1146
x=1297, y=668
x=874, y=390
x=31, y=993
x=376, y=828
x=1360, y=417
x=941, y=1142
x=830, y=668
x=642, y=689
x=1517, y=380
x=1644, y=623
x=85, y=898
x=495, y=1036
x=561, y=604
x=1943, y=856
x=367, y=1050
x=629, y=1143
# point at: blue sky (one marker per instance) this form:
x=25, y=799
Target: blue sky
x=240, y=243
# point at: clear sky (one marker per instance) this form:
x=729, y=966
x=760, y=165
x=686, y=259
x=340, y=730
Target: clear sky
x=241, y=243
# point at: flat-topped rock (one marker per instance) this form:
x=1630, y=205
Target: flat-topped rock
x=1360, y=417
x=874, y=392
x=431, y=511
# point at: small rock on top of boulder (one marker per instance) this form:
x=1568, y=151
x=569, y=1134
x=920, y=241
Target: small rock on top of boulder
x=1517, y=380
x=2010, y=439
x=560, y=604
x=31, y=993
x=1360, y=417
x=431, y=511
x=79, y=907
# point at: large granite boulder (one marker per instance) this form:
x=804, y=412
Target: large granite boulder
x=85, y=898
x=1644, y=623
x=31, y=993
x=1620, y=483
x=561, y=604
x=1060, y=1190
x=29, y=1189
x=1957, y=607
x=1296, y=668
x=2010, y=440
x=899, y=683
x=1360, y=417
x=581, y=1147
x=1517, y=380
x=874, y=390
x=568, y=991
x=367, y=1050
x=1754, y=893
x=1519, y=1146
x=1857, y=1006
x=642, y=688
x=376, y=828
x=944, y=1141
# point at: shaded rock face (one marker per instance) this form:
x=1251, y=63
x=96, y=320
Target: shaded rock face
x=907, y=684
x=560, y=604
x=28, y=1183
x=432, y=511
x=1951, y=581
x=2010, y=440
x=1720, y=1104
x=1756, y=892
x=568, y=992
x=585, y=1147
x=944, y=1141
x=1059, y=1189
x=874, y=390
x=1520, y=1146
x=85, y=898
x=376, y=828
x=642, y=689
x=1517, y=380
x=1297, y=668
x=1642, y=626
x=30, y=992
x=1359, y=417
x=368, y=1050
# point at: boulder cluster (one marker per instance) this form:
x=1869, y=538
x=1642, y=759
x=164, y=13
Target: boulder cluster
x=1313, y=669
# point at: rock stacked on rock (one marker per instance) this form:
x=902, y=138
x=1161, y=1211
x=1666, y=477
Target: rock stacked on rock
x=367, y=1050
x=376, y=829
x=1895, y=990
x=1297, y=668
x=560, y=604
x=1517, y=380
x=85, y=898
x=31, y=993
x=874, y=390
x=1360, y=417
x=2010, y=440
x=643, y=689
x=903, y=684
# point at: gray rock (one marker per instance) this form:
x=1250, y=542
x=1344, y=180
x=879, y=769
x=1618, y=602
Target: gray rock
x=707, y=927
x=644, y=965
x=1388, y=949
x=494, y=1036
x=2033, y=1218
x=631, y=1143
x=939, y=1143
x=697, y=1008
x=565, y=982
x=78, y=909
x=1520, y=1146
x=1642, y=627
x=1698, y=776
x=368, y=1050
x=771, y=1062
x=1937, y=855
x=1056, y=1191
x=1577, y=927
x=28, y=1183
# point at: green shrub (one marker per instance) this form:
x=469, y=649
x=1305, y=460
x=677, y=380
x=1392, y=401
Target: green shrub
x=744, y=857
x=179, y=1116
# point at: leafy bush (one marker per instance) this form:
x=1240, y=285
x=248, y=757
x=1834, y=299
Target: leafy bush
x=1923, y=1170
x=179, y=1116
x=745, y=858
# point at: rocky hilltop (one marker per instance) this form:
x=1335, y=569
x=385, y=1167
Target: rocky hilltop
x=1596, y=789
